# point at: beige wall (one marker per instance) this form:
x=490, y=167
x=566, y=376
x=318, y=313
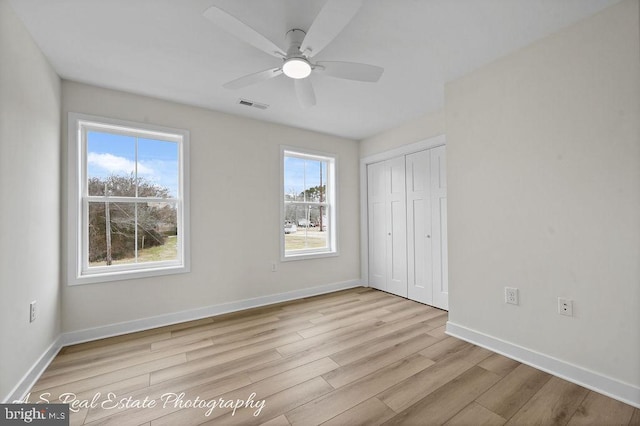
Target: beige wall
x=543, y=163
x=415, y=130
x=29, y=201
x=235, y=224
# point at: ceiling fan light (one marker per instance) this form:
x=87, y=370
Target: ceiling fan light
x=296, y=68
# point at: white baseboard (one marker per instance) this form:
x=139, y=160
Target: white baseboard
x=624, y=392
x=19, y=392
x=80, y=336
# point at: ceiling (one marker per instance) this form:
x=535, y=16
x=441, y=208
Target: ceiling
x=168, y=50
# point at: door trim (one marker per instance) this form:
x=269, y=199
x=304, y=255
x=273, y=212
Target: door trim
x=429, y=143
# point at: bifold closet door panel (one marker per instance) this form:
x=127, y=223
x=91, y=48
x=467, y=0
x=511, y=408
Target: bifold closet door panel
x=377, y=226
x=387, y=227
x=439, y=227
x=419, y=239
x=396, y=227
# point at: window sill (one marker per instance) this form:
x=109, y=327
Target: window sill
x=308, y=256
x=127, y=275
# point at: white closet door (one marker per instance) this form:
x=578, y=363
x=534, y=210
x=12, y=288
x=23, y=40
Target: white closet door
x=387, y=226
x=439, y=227
x=419, y=238
x=407, y=212
x=396, y=227
x=376, y=204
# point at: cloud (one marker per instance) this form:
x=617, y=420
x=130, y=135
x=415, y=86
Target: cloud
x=157, y=172
x=116, y=165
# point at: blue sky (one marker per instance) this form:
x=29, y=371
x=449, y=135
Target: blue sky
x=301, y=174
x=109, y=154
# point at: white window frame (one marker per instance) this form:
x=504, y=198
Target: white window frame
x=330, y=203
x=78, y=270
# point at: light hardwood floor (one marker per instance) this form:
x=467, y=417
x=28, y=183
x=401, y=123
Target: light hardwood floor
x=353, y=357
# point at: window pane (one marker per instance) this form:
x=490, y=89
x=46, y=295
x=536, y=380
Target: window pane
x=314, y=179
x=294, y=179
x=112, y=241
x=157, y=232
x=157, y=168
x=110, y=164
x=304, y=180
x=318, y=217
x=317, y=235
x=97, y=229
x=307, y=232
x=290, y=214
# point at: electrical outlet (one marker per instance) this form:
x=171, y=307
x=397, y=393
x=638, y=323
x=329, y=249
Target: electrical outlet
x=511, y=295
x=32, y=311
x=565, y=306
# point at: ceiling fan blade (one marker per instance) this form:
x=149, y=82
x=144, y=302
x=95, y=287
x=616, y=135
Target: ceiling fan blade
x=304, y=91
x=351, y=70
x=239, y=29
x=250, y=79
x=332, y=18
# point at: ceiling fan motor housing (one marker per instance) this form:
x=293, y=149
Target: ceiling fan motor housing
x=294, y=38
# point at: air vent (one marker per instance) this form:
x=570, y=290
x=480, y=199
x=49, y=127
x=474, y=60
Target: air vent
x=248, y=103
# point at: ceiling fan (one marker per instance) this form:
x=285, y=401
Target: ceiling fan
x=301, y=47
